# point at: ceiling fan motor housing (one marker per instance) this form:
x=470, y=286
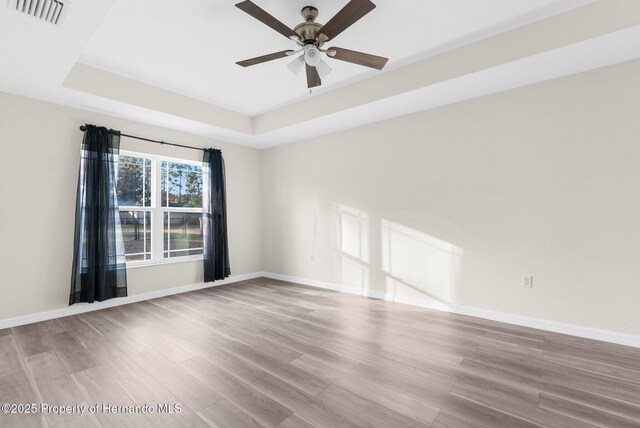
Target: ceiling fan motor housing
x=308, y=29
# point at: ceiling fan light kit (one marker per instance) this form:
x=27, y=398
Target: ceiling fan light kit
x=296, y=65
x=312, y=55
x=310, y=36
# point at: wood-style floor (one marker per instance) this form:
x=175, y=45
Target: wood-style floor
x=265, y=353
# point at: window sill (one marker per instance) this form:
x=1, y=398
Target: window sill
x=164, y=262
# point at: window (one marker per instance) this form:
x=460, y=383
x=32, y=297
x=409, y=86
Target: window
x=134, y=198
x=160, y=208
x=182, y=206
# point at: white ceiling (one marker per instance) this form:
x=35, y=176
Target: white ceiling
x=191, y=46
x=133, y=59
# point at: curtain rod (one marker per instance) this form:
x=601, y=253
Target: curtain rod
x=84, y=128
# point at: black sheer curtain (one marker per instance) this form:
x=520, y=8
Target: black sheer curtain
x=214, y=207
x=99, y=271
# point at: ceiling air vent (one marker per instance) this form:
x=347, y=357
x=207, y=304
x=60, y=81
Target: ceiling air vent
x=46, y=10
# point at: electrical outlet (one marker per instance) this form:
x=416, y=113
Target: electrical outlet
x=527, y=281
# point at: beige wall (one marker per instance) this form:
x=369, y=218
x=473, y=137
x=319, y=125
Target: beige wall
x=450, y=205
x=39, y=156
x=455, y=204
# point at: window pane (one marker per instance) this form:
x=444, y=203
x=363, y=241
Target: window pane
x=182, y=234
x=136, y=231
x=181, y=185
x=134, y=181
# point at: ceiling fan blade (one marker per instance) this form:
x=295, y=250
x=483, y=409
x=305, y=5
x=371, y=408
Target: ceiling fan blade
x=264, y=17
x=313, y=78
x=348, y=15
x=264, y=58
x=356, y=57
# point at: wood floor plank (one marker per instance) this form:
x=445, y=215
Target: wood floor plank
x=295, y=421
x=433, y=359
x=52, y=383
x=188, y=389
x=32, y=339
x=618, y=356
x=232, y=363
x=279, y=351
x=317, y=332
x=10, y=357
x=585, y=414
x=257, y=314
x=151, y=308
x=16, y=388
x=230, y=317
x=128, y=317
x=95, y=322
x=521, y=402
x=364, y=411
x=313, y=351
x=149, y=391
x=254, y=295
x=162, y=344
x=595, y=401
x=278, y=285
x=201, y=344
x=291, y=311
x=420, y=384
x=237, y=334
x=337, y=345
x=394, y=400
x=509, y=348
x=116, y=362
x=256, y=404
x=523, y=366
x=594, y=366
x=447, y=420
x=419, y=344
x=481, y=416
x=516, y=339
x=80, y=330
x=307, y=406
x=297, y=377
x=607, y=386
x=101, y=388
x=224, y=414
x=200, y=323
x=73, y=355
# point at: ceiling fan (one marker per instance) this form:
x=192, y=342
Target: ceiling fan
x=311, y=36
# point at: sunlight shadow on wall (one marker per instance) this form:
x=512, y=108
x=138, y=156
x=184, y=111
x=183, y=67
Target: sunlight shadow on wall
x=352, y=233
x=418, y=265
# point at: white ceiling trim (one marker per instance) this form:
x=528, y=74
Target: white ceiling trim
x=190, y=47
x=595, y=53
x=610, y=49
x=568, y=28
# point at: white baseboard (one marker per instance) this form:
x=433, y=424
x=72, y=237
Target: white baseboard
x=80, y=308
x=558, y=327
x=554, y=326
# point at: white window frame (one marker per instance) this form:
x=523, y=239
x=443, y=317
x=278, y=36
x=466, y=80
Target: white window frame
x=157, y=211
